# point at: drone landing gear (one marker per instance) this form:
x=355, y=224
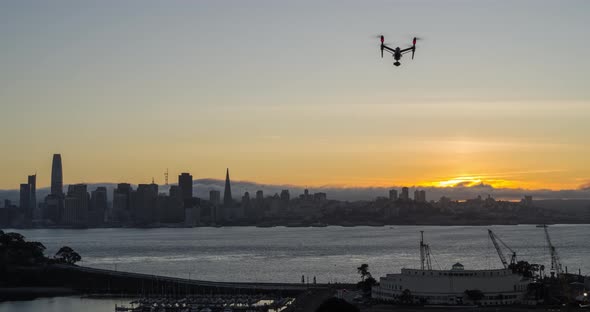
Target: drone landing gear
x=397, y=63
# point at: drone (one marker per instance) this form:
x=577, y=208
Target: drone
x=397, y=52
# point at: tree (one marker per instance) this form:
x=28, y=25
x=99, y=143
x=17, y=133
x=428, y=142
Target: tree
x=14, y=250
x=406, y=297
x=474, y=295
x=67, y=255
x=363, y=271
x=367, y=281
x=525, y=269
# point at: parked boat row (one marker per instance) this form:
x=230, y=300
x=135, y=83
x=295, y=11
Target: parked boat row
x=208, y=303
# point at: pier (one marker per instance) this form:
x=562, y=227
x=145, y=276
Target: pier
x=101, y=282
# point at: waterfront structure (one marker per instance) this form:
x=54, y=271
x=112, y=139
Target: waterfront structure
x=451, y=287
x=185, y=182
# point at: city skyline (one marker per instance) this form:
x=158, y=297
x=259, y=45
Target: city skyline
x=129, y=89
x=462, y=190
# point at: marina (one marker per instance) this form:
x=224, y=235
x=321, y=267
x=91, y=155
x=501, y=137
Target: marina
x=208, y=303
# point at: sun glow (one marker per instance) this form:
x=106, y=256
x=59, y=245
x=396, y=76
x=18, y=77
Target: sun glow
x=471, y=181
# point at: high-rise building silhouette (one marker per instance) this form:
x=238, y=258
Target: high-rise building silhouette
x=144, y=204
x=393, y=195
x=285, y=197
x=227, y=198
x=25, y=198
x=405, y=195
x=171, y=207
x=32, y=212
x=420, y=196
x=98, y=206
x=75, y=212
x=54, y=204
x=185, y=182
x=121, y=203
x=259, y=195
x=259, y=203
x=57, y=181
x=215, y=197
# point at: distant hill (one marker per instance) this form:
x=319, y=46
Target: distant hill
x=545, y=198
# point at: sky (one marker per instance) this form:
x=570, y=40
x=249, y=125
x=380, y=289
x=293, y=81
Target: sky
x=296, y=92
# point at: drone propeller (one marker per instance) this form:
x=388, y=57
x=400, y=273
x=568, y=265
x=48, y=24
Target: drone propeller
x=382, y=40
x=414, y=46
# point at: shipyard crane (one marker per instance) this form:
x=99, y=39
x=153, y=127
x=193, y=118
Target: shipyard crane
x=555, y=262
x=495, y=239
x=425, y=261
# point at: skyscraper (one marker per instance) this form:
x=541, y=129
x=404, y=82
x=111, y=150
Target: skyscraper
x=76, y=206
x=227, y=199
x=405, y=195
x=215, y=197
x=144, y=204
x=259, y=195
x=247, y=207
x=98, y=206
x=57, y=182
x=171, y=208
x=33, y=213
x=25, y=198
x=122, y=202
x=393, y=195
x=185, y=182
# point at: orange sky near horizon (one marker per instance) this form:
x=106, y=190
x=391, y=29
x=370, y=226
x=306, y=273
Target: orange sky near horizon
x=284, y=94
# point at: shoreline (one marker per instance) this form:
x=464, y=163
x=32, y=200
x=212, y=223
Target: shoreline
x=282, y=225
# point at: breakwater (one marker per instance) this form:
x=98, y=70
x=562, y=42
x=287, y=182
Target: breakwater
x=86, y=280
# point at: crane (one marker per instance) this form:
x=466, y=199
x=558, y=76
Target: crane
x=424, y=254
x=495, y=239
x=555, y=262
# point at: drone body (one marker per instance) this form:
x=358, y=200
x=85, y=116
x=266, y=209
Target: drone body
x=397, y=52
